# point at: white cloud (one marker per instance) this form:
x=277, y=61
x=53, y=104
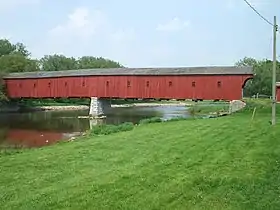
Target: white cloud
x=90, y=32
x=80, y=24
x=176, y=24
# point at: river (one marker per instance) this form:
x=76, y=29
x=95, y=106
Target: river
x=37, y=129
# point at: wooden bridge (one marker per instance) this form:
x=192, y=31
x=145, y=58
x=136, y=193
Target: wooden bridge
x=198, y=83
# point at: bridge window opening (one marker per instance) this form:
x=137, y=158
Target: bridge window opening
x=147, y=83
x=128, y=84
x=107, y=83
x=34, y=85
x=83, y=84
x=193, y=84
x=170, y=83
x=65, y=83
x=49, y=84
x=219, y=83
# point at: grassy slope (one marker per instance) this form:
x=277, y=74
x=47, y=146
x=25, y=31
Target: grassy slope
x=225, y=163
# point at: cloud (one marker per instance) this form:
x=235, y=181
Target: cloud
x=80, y=24
x=175, y=24
x=12, y=4
x=91, y=32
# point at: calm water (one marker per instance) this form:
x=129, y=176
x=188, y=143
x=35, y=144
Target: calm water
x=36, y=129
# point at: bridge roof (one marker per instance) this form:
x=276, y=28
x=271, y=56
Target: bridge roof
x=214, y=70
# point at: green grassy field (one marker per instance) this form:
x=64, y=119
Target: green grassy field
x=221, y=163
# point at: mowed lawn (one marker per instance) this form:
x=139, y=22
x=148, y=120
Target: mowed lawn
x=222, y=163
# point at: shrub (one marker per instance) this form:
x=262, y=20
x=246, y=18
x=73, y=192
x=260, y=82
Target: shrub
x=109, y=129
x=177, y=119
x=194, y=110
x=150, y=120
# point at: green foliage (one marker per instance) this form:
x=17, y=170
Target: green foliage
x=202, y=108
x=109, y=129
x=6, y=47
x=58, y=62
x=263, y=76
x=17, y=63
x=261, y=105
x=61, y=62
x=87, y=62
x=150, y=120
x=14, y=58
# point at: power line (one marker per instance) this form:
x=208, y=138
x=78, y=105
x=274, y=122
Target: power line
x=266, y=20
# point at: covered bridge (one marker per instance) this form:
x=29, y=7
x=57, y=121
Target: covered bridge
x=204, y=83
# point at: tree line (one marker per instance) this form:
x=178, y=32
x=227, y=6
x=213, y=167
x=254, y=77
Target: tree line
x=17, y=58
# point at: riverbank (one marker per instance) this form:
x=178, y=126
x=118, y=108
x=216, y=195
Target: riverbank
x=85, y=107
x=59, y=106
x=222, y=163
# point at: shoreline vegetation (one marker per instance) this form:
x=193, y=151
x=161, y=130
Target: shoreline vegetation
x=230, y=162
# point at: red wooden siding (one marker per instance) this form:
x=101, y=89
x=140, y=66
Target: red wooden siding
x=207, y=87
x=278, y=93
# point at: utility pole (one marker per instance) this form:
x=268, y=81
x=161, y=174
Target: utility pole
x=273, y=117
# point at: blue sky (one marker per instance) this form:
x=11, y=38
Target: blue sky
x=142, y=33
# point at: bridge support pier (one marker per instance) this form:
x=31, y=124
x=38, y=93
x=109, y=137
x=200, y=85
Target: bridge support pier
x=99, y=107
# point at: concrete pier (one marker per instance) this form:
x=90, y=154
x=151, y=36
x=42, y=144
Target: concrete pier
x=99, y=107
x=95, y=121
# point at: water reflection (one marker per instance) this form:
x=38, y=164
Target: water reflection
x=36, y=129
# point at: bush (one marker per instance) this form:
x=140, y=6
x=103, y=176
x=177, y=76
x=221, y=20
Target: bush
x=150, y=120
x=109, y=129
x=194, y=110
x=177, y=119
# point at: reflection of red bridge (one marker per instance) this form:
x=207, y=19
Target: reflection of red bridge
x=32, y=138
x=202, y=83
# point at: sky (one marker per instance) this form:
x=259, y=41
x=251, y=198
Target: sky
x=142, y=33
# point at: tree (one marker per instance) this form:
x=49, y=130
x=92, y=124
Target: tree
x=7, y=48
x=88, y=62
x=14, y=58
x=58, y=62
x=262, y=80
x=17, y=63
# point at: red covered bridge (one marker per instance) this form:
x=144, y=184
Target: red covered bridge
x=204, y=83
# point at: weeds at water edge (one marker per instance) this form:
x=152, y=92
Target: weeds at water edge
x=109, y=129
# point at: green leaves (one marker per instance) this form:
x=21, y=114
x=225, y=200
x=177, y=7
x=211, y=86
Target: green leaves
x=87, y=62
x=61, y=62
x=17, y=63
x=262, y=82
x=58, y=63
x=14, y=58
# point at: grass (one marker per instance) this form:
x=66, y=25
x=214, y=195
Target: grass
x=219, y=163
x=202, y=108
x=109, y=129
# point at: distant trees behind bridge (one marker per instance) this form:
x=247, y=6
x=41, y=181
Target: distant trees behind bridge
x=262, y=82
x=15, y=57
